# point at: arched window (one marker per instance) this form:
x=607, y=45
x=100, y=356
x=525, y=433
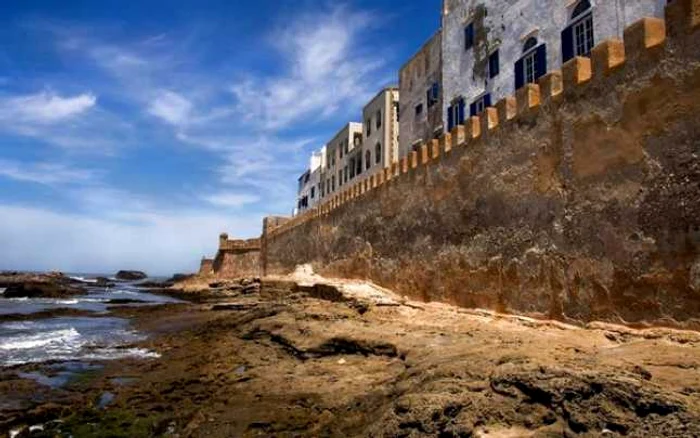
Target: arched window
x=378, y=153
x=368, y=159
x=577, y=39
x=582, y=7
x=529, y=44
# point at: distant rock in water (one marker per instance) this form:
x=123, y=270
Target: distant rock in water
x=130, y=275
x=21, y=285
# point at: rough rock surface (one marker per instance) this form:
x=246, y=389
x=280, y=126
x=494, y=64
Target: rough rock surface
x=21, y=285
x=288, y=361
x=130, y=275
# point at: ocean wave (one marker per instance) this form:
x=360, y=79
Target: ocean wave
x=53, y=339
x=84, y=280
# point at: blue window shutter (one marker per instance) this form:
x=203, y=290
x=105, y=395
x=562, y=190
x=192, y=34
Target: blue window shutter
x=460, y=114
x=494, y=64
x=469, y=36
x=487, y=100
x=450, y=120
x=567, y=44
x=541, y=61
x=519, y=74
x=472, y=109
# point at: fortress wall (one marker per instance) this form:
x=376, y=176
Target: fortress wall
x=237, y=258
x=206, y=267
x=578, y=198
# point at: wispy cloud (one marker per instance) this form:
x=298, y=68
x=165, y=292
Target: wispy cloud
x=326, y=71
x=43, y=108
x=171, y=107
x=231, y=199
x=45, y=173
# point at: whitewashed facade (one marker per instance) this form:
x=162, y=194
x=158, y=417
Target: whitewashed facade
x=308, y=188
x=490, y=47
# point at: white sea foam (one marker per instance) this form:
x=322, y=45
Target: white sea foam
x=84, y=280
x=59, y=339
x=2, y=290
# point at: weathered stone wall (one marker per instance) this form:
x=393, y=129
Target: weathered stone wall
x=415, y=78
x=206, y=267
x=579, y=199
x=237, y=258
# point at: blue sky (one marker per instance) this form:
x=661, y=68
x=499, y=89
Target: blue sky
x=132, y=133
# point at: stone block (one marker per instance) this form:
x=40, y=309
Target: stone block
x=507, y=109
x=424, y=154
x=643, y=35
x=434, y=149
x=458, y=136
x=682, y=17
x=551, y=85
x=489, y=119
x=607, y=57
x=528, y=98
x=473, y=128
x=446, y=142
x=404, y=162
x=576, y=72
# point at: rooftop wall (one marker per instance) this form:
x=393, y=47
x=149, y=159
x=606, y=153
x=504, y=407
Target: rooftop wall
x=578, y=198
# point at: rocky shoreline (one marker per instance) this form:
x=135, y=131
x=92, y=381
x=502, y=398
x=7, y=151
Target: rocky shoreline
x=283, y=357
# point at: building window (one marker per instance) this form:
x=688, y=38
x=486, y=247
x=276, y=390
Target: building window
x=333, y=183
x=340, y=152
x=379, y=119
x=533, y=63
x=433, y=94
x=455, y=113
x=313, y=192
x=578, y=38
x=378, y=153
x=358, y=163
x=352, y=168
x=419, y=109
x=480, y=104
x=357, y=139
x=368, y=125
x=345, y=174
x=368, y=160
x=469, y=36
x=494, y=64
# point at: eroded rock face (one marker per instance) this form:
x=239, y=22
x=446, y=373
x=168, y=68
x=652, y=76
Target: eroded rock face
x=21, y=285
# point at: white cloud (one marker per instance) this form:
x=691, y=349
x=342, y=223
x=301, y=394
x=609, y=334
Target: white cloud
x=46, y=173
x=171, y=107
x=231, y=199
x=164, y=243
x=44, y=108
x=326, y=71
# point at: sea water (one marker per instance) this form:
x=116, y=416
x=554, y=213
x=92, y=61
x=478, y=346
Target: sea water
x=82, y=338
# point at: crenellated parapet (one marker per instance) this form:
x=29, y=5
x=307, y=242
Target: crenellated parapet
x=575, y=198
x=644, y=42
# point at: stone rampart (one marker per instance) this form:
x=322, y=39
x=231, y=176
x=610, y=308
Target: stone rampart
x=206, y=267
x=578, y=198
x=237, y=258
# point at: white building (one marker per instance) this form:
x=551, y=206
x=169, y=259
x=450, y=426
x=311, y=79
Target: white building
x=490, y=48
x=380, y=145
x=341, y=158
x=308, y=194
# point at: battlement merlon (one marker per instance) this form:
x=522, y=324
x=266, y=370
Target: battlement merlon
x=226, y=244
